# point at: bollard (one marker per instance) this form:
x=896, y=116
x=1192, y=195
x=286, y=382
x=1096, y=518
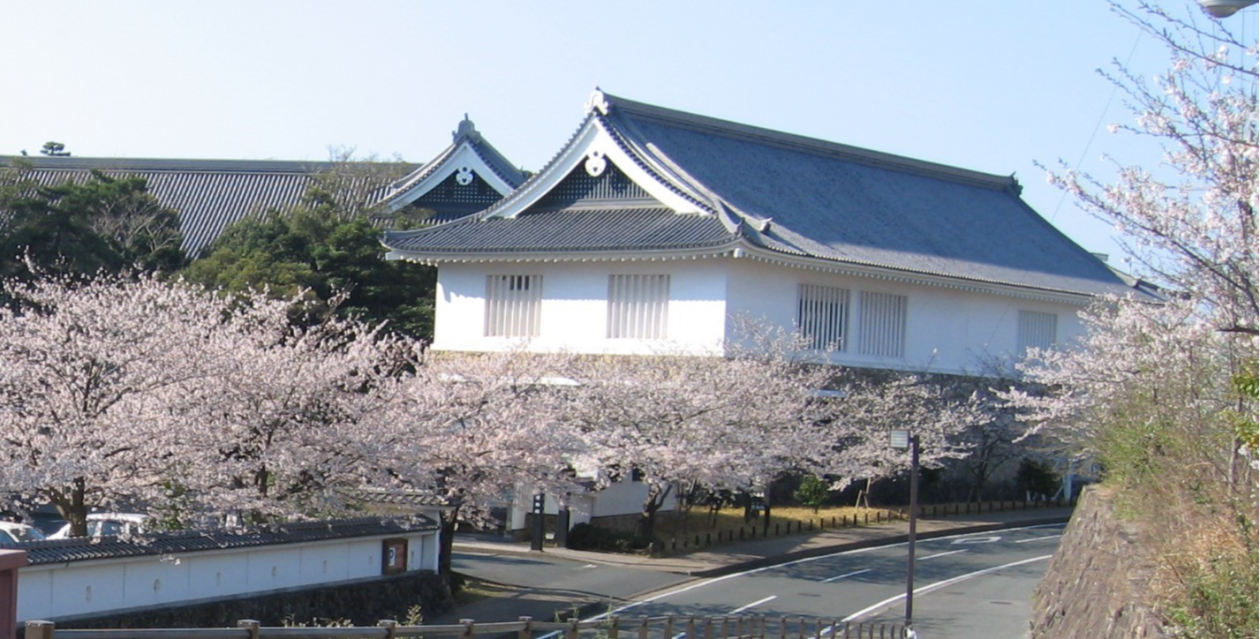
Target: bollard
x=527, y=631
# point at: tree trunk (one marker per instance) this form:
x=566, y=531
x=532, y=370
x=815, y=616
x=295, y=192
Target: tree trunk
x=446, y=545
x=647, y=518
x=73, y=508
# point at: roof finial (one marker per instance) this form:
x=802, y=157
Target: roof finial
x=598, y=102
x=466, y=129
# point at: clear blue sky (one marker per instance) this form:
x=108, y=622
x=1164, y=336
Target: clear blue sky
x=990, y=85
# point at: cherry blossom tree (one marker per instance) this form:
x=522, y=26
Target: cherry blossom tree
x=291, y=423
x=95, y=380
x=473, y=429
x=1190, y=224
x=722, y=422
x=1151, y=391
x=122, y=391
x=861, y=417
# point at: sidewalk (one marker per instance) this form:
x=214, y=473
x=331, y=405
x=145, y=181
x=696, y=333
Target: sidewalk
x=541, y=603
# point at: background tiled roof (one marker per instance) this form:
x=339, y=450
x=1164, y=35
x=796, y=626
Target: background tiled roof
x=63, y=550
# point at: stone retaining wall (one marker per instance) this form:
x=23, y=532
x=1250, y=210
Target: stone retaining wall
x=1096, y=583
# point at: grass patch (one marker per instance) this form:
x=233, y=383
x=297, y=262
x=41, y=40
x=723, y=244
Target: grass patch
x=786, y=517
x=472, y=590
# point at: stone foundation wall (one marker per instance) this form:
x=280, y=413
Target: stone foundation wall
x=1096, y=582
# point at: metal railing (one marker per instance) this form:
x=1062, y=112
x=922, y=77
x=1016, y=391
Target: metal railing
x=613, y=627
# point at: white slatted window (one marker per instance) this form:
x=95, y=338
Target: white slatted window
x=638, y=306
x=882, y=325
x=1037, y=330
x=822, y=316
x=513, y=305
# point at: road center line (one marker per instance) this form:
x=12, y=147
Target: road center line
x=847, y=574
x=1024, y=541
x=755, y=603
x=941, y=584
x=939, y=554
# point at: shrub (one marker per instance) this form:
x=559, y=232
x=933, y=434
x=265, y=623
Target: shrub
x=590, y=537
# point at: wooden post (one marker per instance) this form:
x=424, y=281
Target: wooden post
x=527, y=632
x=572, y=631
x=40, y=629
x=390, y=627
x=708, y=628
x=691, y=628
x=669, y=628
x=782, y=627
x=251, y=625
x=612, y=627
x=10, y=562
x=643, y=627
x=469, y=626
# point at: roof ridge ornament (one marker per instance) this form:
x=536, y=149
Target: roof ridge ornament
x=598, y=102
x=466, y=129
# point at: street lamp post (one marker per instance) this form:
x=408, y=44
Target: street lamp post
x=901, y=440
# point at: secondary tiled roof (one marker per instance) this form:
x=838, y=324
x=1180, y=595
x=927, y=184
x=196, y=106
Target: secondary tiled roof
x=465, y=135
x=209, y=194
x=63, y=550
x=572, y=230
x=784, y=195
x=212, y=194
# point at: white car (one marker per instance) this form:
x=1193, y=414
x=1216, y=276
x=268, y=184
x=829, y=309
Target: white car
x=15, y=533
x=109, y=524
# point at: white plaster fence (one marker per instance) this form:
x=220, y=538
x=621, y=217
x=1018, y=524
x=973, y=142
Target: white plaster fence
x=174, y=570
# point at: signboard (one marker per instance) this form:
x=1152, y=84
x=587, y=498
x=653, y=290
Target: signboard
x=393, y=556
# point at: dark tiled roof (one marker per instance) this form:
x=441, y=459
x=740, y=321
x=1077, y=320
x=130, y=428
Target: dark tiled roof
x=569, y=230
x=795, y=196
x=841, y=203
x=63, y=550
x=209, y=194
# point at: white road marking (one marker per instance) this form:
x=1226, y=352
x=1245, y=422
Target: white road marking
x=977, y=540
x=941, y=584
x=939, y=554
x=755, y=603
x=847, y=574
x=1024, y=541
x=590, y=566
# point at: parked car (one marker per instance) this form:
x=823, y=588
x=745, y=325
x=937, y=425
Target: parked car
x=15, y=533
x=109, y=524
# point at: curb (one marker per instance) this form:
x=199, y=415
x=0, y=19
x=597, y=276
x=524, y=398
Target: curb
x=870, y=543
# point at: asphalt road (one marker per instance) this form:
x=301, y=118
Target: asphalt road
x=590, y=581
x=968, y=586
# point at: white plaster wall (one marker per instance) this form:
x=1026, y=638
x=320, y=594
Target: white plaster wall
x=947, y=330
x=623, y=497
x=626, y=497
x=575, y=307
x=50, y=591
